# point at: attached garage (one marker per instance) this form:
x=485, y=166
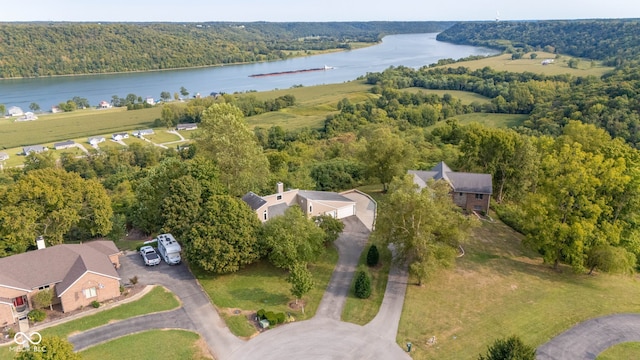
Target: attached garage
x=346, y=211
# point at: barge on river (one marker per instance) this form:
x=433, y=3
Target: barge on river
x=293, y=71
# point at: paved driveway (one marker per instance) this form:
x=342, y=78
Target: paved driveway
x=588, y=339
x=197, y=312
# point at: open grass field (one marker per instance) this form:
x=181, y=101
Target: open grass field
x=498, y=289
x=160, y=344
x=158, y=299
x=361, y=311
x=629, y=350
x=503, y=62
x=263, y=286
x=78, y=124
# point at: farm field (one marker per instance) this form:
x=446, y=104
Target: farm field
x=499, y=288
x=503, y=62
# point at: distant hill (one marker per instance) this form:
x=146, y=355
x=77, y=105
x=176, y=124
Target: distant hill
x=613, y=41
x=46, y=49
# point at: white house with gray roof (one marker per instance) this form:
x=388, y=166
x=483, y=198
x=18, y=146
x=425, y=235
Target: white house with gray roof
x=312, y=203
x=37, y=149
x=471, y=191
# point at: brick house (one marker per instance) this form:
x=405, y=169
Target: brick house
x=470, y=191
x=78, y=274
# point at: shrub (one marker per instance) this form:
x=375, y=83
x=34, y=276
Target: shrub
x=36, y=315
x=95, y=304
x=363, y=284
x=133, y=280
x=11, y=333
x=271, y=317
x=509, y=348
x=280, y=318
x=373, y=256
x=260, y=314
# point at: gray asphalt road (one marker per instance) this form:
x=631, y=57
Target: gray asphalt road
x=197, y=312
x=588, y=339
x=386, y=322
x=350, y=245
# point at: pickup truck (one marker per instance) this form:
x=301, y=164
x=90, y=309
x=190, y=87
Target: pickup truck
x=149, y=255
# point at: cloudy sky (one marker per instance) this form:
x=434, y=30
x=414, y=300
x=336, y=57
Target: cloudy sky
x=318, y=10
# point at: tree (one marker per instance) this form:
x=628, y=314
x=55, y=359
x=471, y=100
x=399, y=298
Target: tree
x=292, y=238
x=81, y=102
x=176, y=96
x=52, y=203
x=34, y=106
x=183, y=91
x=165, y=95
x=373, y=256
x=225, y=137
x=53, y=348
x=573, y=63
x=3, y=109
x=301, y=280
x=331, y=226
x=386, y=155
x=43, y=298
x=610, y=259
x=224, y=237
x=533, y=56
x=511, y=348
x=425, y=226
x=363, y=284
x=36, y=161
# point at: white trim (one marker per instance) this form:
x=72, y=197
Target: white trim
x=81, y=276
x=16, y=288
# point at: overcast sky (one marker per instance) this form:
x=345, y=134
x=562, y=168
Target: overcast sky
x=319, y=10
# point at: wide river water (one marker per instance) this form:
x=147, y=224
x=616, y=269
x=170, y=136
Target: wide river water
x=411, y=50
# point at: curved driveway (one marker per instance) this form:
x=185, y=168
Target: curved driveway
x=588, y=339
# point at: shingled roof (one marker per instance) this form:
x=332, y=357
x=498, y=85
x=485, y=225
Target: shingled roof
x=61, y=264
x=459, y=181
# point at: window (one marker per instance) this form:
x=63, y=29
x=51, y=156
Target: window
x=43, y=287
x=460, y=194
x=278, y=197
x=90, y=292
x=264, y=215
x=479, y=196
x=310, y=209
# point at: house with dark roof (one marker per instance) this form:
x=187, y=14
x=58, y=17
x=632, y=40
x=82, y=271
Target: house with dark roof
x=64, y=145
x=312, y=203
x=471, y=191
x=187, y=126
x=33, y=149
x=78, y=274
x=141, y=133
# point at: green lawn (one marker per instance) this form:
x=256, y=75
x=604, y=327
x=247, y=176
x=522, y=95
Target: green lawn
x=489, y=120
x=160, y=344
x=628, y=350
x=158, y=299
x=361, y=311
x=263, y=286
x=78, y=124
x=500, y=289
x=239, y=325
x=161, y=136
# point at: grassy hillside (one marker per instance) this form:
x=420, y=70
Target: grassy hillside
x=499, y=289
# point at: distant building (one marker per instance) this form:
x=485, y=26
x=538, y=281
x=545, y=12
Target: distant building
x=95, y=140
x=547, y=61
x=15, y=111
x=141, y=133
x=187, y=126
x=149, y=100
x=37, y=149
x=104, y=105
x=4, y=156
x=56, y=109
x=28, y=116
x=119, y=136
x=64, y=145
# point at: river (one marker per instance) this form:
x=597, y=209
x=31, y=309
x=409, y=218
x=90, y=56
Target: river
x=411, y=50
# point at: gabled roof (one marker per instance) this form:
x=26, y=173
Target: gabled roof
x=34, y=148
x=61, y=264
x=254, y=201
x=459, y=181
x=64, y=143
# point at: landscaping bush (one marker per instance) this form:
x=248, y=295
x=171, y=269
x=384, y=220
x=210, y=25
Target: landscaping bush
x=95, y=304
x=363, y=284
x=133, y=280
x=260, y=314
x=36, y=315
x=271, y=317
x=280, y=318
x=373, y=256
x=509, y=348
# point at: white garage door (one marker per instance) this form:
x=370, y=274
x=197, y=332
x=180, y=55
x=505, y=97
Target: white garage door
x=346, y=211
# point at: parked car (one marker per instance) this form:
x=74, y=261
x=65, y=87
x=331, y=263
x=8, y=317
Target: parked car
x=149, y=255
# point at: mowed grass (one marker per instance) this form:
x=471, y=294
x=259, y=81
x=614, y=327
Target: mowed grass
x=151, y=345
x=73, y=125
x=361, y=311
x=503, y=62
x=628, y=350
x=313, y=104
x=263, y=286
x=158, y=299
x=487, y=119
x=498, y=289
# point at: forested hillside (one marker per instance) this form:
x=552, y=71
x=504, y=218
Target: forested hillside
x=611, y=40
x=45, y=49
